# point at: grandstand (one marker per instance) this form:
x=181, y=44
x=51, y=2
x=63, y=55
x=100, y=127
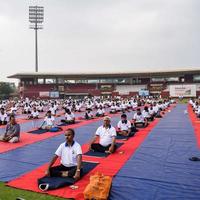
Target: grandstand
x=184, y=82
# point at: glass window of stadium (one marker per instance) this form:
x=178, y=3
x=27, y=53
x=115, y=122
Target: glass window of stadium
x=106, y=80
x=69, y=81
x=81, y=81
x=196, y=78
x=122, y=80
x=136, y=81
x=172, y=79
x=40, y=81
x=61, y=80
x=157, y=79
x=93, y=81
x=50, y=80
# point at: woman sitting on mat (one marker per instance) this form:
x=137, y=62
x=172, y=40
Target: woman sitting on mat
x=139, y=119
x=12, y=133
x=69, y=117
x=106, y=135
x=49, y=121
x=124, y=126
x=70, y=153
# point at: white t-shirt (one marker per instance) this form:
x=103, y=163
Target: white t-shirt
x=155, y=109
x=3, y=117
x=113, y=108
x=105, y=135
x=145, y=114
x=27, y=108
x=151, y=111
x=138, y=118
x=53, y=110
x=69, y=154
x=49, y=121
x=69, y=117
x=78, y=107
x=35, y=113
x=100, y=111
x=90, y=114
x=123, y=126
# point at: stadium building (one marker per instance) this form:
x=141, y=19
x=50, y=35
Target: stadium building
x=166, y=83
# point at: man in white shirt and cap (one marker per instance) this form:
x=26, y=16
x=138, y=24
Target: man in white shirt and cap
x=106, y=134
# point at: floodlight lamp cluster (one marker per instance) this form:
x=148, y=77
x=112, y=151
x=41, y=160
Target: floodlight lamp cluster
x=36, y=17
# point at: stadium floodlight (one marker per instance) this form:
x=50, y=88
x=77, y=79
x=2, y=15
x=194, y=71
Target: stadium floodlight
x=36, y=18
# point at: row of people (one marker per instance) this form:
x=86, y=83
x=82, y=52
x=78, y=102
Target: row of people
x=70, y=151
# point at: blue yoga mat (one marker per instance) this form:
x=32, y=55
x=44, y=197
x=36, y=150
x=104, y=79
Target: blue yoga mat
x=38, y=131
x=58, y=182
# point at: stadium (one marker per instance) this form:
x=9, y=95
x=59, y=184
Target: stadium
x=99, y=100
x=173, y=83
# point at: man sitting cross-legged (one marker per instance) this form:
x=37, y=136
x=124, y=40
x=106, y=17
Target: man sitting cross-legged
x=125, y=127
x=106, y=135
x=69, y=117
x=12, y=133
x=49, y=121
x=139, y=119
x=70, y=153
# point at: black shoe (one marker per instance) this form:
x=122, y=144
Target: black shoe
x=194, y=159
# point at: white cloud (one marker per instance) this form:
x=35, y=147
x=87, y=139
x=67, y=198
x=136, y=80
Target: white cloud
x=101, y=35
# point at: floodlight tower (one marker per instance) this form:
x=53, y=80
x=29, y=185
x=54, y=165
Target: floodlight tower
x=36, y=17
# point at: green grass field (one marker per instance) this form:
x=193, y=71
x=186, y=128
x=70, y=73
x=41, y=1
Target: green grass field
x=8, y=193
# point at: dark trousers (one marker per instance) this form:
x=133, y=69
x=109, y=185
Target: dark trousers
x=98, y=147
x=150, y=119
x=3, y=122
x=140, y=124
x=68, y=122
x=57, y=171
x=99, y=115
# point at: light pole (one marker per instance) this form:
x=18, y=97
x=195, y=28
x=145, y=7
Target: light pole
x=36, y=17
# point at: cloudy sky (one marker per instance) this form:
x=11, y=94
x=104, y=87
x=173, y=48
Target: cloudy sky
x=100, y=35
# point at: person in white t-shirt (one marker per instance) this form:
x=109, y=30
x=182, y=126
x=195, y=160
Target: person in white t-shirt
x=3, y=117
x=100, y=112
x=124, y=126
x=139, y=119
x=147, y=114
x=113, y=108
x=27, y=109
x=34, y=114
x=69, y=117
x=70, y=154
x=88, y=115
x=78, y=107
x=106, y=134
x=49, y=121
x=53, y=109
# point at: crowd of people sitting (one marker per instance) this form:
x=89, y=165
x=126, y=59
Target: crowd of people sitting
x=144, y=111
x=90, y=107
x=195, y=106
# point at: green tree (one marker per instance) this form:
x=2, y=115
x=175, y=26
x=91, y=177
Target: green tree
x=5, y=90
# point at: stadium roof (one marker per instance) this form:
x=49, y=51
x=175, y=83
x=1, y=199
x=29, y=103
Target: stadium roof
x=141, y=73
